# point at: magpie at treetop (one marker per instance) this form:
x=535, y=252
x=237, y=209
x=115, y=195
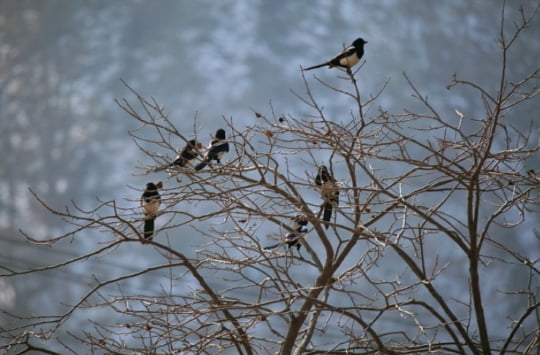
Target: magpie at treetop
x=347, y=58
x=217, y=148
x=185, y=157
x=150, y=201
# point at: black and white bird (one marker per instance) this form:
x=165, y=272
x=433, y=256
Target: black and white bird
x=347, y=58
x=329, y=193
x=217, y=148
x=292, y=239
x=150, y=201
x=186, y=156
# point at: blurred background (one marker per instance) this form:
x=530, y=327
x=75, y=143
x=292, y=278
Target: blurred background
x=63, y=136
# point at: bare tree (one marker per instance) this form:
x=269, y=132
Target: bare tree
x=422, y=253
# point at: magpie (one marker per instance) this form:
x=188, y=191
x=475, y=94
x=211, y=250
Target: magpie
x=292, y=239
x=150, y=201
x=329, y=193
x=186, y=156
x=347, y=58
x=217, y=148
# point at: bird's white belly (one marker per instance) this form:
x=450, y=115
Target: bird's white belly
x=349, y=61
x=151, y=207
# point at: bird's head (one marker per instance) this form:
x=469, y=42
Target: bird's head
x=194, y=144
x=323, y=171
x=359, y=42
x=220, y=133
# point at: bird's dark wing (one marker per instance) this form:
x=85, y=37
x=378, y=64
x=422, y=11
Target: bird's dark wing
x=216, y=152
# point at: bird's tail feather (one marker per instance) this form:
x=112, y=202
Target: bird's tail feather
x=270, y=247
x=316, y=66
x=327, y=214
x=149, y=228
x=201, y=165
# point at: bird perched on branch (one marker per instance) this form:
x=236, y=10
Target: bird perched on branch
x=347, y=58
x=150, y=201
x=292, y=239
x=217, y=148
x=329, y=193
x=185, y=157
